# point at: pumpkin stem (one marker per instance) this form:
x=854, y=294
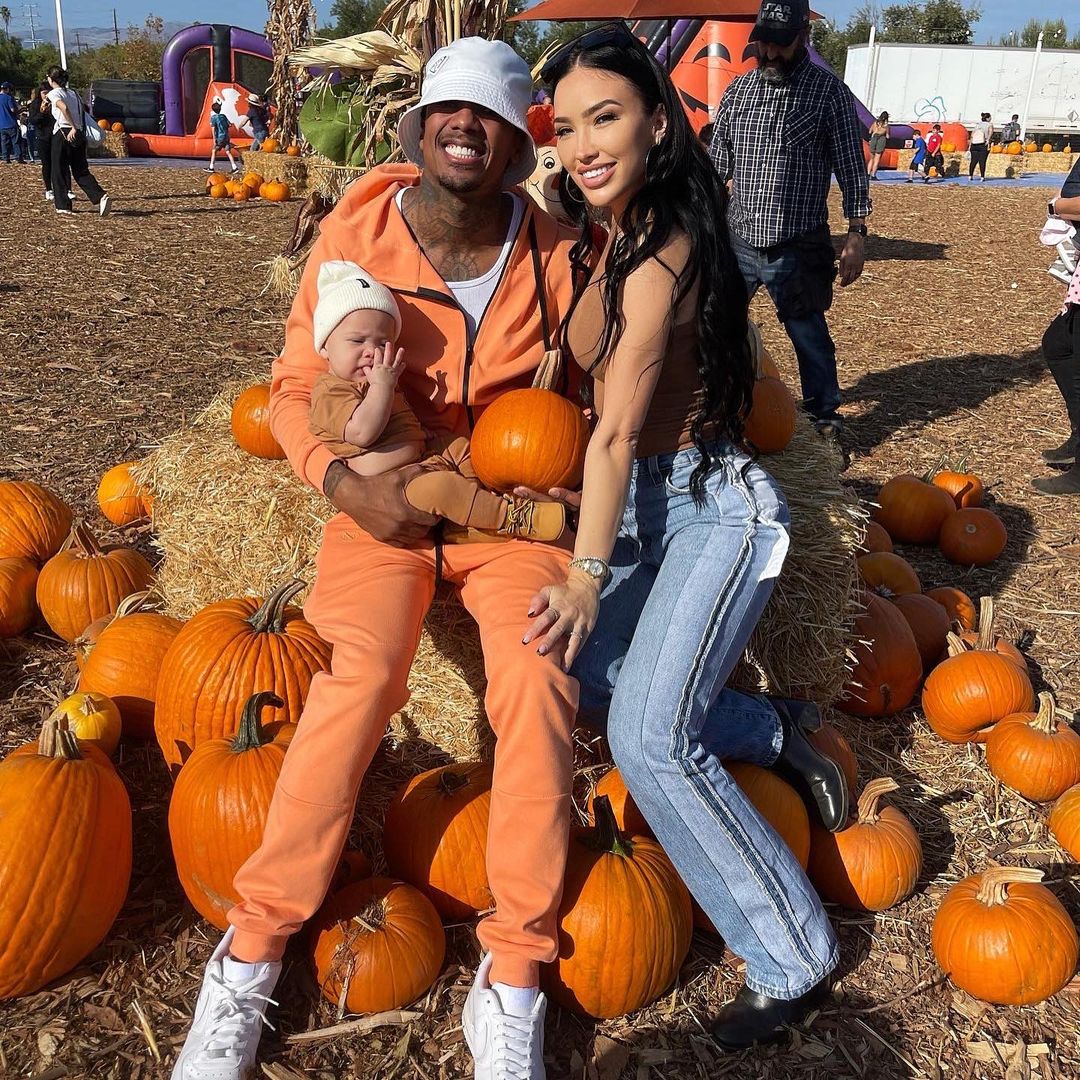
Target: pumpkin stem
x=82, y=538
x=605, y=834
x=871, y=795
x=136, y=601
x=955, y=643
x=451, y=780
x=986, y=623
x=371, y=919
x=270, y=618
x=57, y=740
x=994, y=886
x=549, y=370
x=1046, y=720
x=251, y=734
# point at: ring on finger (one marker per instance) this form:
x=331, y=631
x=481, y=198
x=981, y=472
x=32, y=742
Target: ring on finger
x=577, y=633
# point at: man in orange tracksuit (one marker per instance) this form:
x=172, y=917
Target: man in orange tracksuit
x=482, y=278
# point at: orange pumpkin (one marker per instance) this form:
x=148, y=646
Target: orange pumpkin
x=292, y=151
x=274, y=191
x=91, y=718
x=253, y=181
x=987, y=638
x=888, y=575
x=535, y=438
x=829, y=741
x=241, y=193
x=117, y=127
x=378, y=945
x=618, y=889
x=965, y=695
x=929, y=624
x=1047, y=148
x=1064, y=821
x=65, y=858
x=965, y=488
x=876, y=539
x=1004, y=938
x=957, y=605
x=996, y=148
x=85, y=581
x=1031, y=147
x=18, y=606
x=873, y=863
x=911, y=510
x=973, y=537
x=888, y=666
x=227, y=652
x=269, y=146
x=1013, y=149
x=122, y=499
x=251, y=423
x=778, y=803
x=103, y=124
x=771, y=421
x=33, y=522
x=218, y=808
x=435, y=837
x=217, y=180
x=219, y=191
x=1035, y=753
x=628, y=817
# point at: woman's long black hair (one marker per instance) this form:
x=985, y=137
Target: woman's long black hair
x=682, y=190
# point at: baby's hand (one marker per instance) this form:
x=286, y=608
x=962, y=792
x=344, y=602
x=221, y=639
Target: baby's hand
x=388, y=366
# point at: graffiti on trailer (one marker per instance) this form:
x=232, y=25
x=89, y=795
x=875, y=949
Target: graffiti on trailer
x=931, y=110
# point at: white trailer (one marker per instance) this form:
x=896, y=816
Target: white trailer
x=956, y=83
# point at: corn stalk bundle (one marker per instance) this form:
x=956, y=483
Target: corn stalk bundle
x=290, y=25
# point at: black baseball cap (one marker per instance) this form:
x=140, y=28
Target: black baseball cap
x=780, y=22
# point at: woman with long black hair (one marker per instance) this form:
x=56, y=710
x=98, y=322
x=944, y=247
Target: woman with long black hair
x=69, y=147
x=681, y=533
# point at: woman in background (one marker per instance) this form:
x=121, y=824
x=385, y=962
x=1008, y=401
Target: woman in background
x=979, y=147
x=879, y=134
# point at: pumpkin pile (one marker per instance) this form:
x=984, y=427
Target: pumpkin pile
x=251, y=186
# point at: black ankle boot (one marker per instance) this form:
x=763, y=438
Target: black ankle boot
x=1068, y=483
x=1065, y=454
x=754, y=1018
x=817, y=778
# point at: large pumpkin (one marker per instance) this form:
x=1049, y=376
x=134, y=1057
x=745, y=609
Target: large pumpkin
x=624, y=922
x=435, y=837
x=33, y=521
x=1064, y=821
x=887, y=574
x=778, y=803
x=219, y=805
x=876, y=539
x=1035, y=753
x=957, y=604
x=378, y=945
x=967, y=694
x=628, y=817
x=251, y=422
x=1005, y=938
x=874, y=862
x=534, y=438
x=121, y=499
x=18, y=606
x=85, y=581
x=929, y=624
x=125, y=661
x=911, y=510
x=65, y=858
x=227, y=652
x=972, y=536
x=91, y=718
x=887, y=662
x=771, y=421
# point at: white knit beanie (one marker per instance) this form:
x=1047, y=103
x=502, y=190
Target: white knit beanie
x=345, y=287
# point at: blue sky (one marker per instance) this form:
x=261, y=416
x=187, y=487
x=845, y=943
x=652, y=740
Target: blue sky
x=999, y=16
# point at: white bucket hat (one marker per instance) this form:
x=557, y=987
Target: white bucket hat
x=487, y=73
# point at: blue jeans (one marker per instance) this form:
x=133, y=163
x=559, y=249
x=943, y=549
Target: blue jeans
x=259, y=135
x=9, y=144
x=790, y=284
x=688, y=586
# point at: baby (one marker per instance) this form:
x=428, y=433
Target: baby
x=358, y=411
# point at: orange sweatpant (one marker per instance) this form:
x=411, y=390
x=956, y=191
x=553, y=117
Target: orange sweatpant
x=369, y=602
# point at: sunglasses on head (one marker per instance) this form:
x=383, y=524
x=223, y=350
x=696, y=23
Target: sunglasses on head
x=612, y=33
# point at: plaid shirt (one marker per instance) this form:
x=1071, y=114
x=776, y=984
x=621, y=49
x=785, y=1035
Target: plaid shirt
x=781, y=143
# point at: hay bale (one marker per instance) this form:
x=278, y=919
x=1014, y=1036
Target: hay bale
x=306, y=174
x=114, y=146
x=229, y=524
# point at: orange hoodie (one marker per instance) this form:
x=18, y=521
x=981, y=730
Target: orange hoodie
x=447, y=383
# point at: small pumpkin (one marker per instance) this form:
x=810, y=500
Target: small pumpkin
x=435, y=837
x=1047, y=148
x=965, y=488
x=957, y=604
x=617, y=891
x=18, y=606
x=628, y=817
x=93, y=718
x=778, y=803
x=117, y=127
x=770, y=423
x=1035, y=753
x=535, y=438
x=986, y=637
x=973, y=536
x=224, y=654
x=241, y=193
x=1031, y=147
x=33, y=522
x=1005, y=938
x=121, y=498
x=219, y=191
x=888, y=575
x=829, y=740
x=232, y=187
x=876, y=539
x=948, y=147
x=217, y=180
x=996, y=148
x=888, y=666
x=911, y=510
x=251, y=423
x=219, y=805
x=253, y=181
x=1064, y=821
x=85, y=581
x=293, y=150
x=103, y=124
x=275, y=191
x=929, y=624
x=1013, y=149
x=270, y=146
x=378, y=945
x=65, y=858
x=968, y=693
x=874, y=862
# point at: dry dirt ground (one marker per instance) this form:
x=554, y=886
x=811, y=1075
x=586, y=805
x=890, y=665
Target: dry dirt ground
x=115, y=331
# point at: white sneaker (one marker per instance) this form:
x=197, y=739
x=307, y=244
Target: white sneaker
x=504, y=1047
x=104, y=205
x=228, y=1020
x=49, y=196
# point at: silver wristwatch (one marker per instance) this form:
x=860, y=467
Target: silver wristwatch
x=594, y=567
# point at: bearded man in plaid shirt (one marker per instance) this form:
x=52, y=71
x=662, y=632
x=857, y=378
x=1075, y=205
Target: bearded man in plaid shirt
x=780, y=133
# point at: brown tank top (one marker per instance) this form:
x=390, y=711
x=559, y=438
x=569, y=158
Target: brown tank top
x=678, y=395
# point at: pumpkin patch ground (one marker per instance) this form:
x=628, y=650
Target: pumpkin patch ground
x=172, y=308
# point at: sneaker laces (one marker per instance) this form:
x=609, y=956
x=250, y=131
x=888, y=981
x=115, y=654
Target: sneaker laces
x=519, y=515
x=231, y=1016
x=512, y=1046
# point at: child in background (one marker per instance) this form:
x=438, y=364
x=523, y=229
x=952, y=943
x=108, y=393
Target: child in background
x=360, y=414
x=934, y=157
x=259, y=116
x=220, y=125
x=918, y=159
